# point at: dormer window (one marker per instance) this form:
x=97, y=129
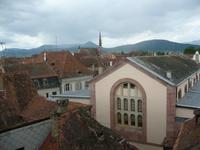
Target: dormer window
x=36, y=83
x=45, y=82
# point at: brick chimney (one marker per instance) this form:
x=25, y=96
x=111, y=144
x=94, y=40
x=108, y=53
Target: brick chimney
x=61, y=108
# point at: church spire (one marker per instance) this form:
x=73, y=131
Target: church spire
x=100, y=41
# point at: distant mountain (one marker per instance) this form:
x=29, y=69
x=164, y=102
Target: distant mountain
x=152, y=45
x=16, y=52
x=197, y=42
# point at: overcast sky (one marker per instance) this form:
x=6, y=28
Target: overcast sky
x=31, y=23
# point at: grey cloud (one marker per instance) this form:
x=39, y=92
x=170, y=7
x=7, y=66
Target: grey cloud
x=81, y=20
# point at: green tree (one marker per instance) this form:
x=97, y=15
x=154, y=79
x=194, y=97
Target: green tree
x=191, y=50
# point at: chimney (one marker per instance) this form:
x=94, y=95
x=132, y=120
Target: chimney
x=169, y=74
x=197, y=116
x=45, y=56
x=62, y=104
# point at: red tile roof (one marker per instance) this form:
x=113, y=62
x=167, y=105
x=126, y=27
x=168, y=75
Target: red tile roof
x=63, y=63
x=189, y=136
x=79, y=131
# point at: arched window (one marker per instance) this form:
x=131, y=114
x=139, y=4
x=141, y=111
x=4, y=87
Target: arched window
x=128, y=105
x=125, y=104
x=118, y=103
x=186, y=89
x=126, y=119
x=139, y=120
x=132, y=118
x=139, y=105
x=179, y=94
x=119, y=118
x=132, y=105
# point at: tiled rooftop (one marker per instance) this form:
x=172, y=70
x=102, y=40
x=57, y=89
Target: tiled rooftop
x=191, y=98
x=180, y=67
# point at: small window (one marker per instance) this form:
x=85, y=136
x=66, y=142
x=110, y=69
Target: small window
x=125, y=104
x=125, y=85
x=45, y=82
x=119, y=118
x=179, y=94
x=186, y=88
x=139, y=105
x=21, y=148
x=54, y=93
x=86, y=84
x=36, y=83
x=132, y=105
x=68, y=87
x=132, y=118
x=126, y=119
x=132, y=86
x=118, y=103
x=139, y=118
x=47, y=95
x=78, y=86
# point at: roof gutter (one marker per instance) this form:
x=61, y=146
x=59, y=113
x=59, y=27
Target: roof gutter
x=154, y=73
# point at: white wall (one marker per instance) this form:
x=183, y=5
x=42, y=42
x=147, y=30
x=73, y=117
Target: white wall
x=73, y=81
x=156, y=101
x=42, y=92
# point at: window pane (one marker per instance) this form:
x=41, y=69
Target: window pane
x=118, y=103
x=119, y=118
x=132, y=86
x=132, y=120
x=139, y=121
x=139, y=105
x=125, y=104
x=126, y=119
x=125, y=85
x=132, y=105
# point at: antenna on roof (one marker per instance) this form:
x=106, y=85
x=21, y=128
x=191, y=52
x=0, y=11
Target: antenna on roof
x=56, y=42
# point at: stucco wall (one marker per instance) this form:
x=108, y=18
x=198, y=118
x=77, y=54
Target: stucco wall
x=42, y=92
x=73, y=81
x=156, y=95
x=184, y=112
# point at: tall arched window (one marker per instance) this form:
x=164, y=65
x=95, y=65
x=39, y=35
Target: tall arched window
x=129, y=105
x=125, y=104
x=132, y=105
x=132, y=118
x=179, y=94
x=119, y=118
x=118, y=103
x=139, y=120
x=139, y=105
x=126, y=119
x=186, y=89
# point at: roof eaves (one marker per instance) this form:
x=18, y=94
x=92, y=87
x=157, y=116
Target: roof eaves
x=152, y=72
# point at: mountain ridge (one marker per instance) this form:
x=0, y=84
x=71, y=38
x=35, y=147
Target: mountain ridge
x=148, y=45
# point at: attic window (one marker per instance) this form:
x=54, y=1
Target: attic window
x=45, y=82
x=36, y=83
